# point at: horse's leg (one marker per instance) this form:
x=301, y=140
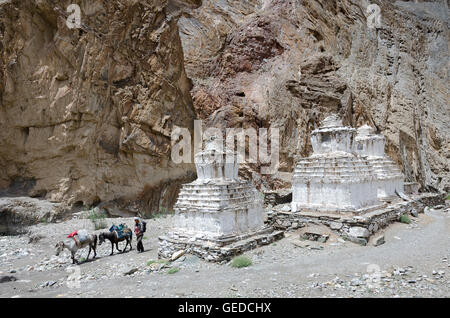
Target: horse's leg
x=74, y=261
x=95, y=246
x=131, y=241
x=112, y=248
x=89, y=253
x=117, y=246
x=126, y=244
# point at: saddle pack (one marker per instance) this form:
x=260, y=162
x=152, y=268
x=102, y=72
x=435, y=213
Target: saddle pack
x=121, y=230
x=79, y=237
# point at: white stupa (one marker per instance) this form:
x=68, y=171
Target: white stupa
x=333, y=178
x=218, y=215
x=218, y=203
x=389, y=177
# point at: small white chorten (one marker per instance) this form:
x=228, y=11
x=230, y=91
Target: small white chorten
x=333, y=179
x=218, y=203
x=389, y=177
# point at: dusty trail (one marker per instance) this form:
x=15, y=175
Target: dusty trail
x=414, y=261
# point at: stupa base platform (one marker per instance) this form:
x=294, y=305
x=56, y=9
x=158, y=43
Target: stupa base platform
x=356, y=227
x=215, y=249
x=298, y=208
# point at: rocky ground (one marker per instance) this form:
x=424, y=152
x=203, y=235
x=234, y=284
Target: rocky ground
x=414, y=262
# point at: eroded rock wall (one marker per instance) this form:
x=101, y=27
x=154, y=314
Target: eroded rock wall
x=287, y=64
x=86, y=114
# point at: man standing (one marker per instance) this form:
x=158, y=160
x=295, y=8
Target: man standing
x=139, y=231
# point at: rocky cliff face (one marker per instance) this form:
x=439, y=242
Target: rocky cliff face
x=86, y=114
x=287, y=64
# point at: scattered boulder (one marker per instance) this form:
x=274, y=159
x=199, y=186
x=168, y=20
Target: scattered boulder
x=177, y=255
x=158, y=265
x=357, y=240
x=301, y=244
x=379, y=240
x=316, y=233
x=34, y=238
x=313, y=236
x=295, y=225
x=359, y=232
x=336, y=225
x=131, y=271
x=6, y=279
x=50, y=283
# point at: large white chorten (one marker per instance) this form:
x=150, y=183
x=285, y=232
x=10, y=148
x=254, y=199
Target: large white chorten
x=218, y=215
x=333, y=179
x=389, y=177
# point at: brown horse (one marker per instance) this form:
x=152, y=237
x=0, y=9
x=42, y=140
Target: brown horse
x=114, y=239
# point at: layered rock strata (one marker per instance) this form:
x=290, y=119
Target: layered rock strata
x=288, y=64
x=87, y=113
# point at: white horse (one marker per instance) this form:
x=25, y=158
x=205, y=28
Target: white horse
x=73, y=247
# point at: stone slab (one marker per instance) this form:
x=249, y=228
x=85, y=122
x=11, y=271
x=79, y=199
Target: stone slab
x=217, y=250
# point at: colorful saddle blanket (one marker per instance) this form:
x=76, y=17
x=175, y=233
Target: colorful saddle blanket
x=121, y=230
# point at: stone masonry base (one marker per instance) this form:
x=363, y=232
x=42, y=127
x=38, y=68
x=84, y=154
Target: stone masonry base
x=357, y=228
x=219, y=249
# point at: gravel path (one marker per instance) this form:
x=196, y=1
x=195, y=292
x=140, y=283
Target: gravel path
x=414, y=261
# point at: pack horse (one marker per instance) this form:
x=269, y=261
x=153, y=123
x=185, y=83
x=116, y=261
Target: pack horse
x=115, y=235
x=77, y=240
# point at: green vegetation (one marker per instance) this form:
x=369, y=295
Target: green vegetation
x=448, y=197
x=405, y=219
x=98, y=218
x=44, y=220
x=173, y=270
x=241, y=261
x=162, y=212
x=158, y=261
